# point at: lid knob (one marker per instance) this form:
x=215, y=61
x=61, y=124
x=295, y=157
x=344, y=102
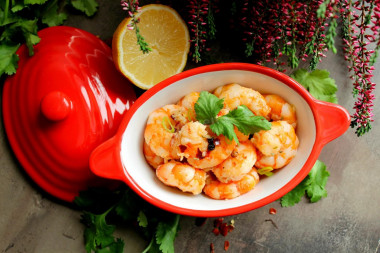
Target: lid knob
x=55, y=106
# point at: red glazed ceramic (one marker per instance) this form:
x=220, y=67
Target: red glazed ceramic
x=62, y=103
x=122, y=157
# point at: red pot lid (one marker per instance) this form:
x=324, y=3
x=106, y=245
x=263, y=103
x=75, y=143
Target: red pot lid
x=62, y=103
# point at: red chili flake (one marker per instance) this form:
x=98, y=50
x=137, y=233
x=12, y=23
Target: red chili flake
x=224, y=229
x=218, y=222
x=230, y=228
x=226, y=245
x=200, y=221
x=216, y=231
x=212, y=248
x=199, y=154
x=182, y=148
x=272, y=211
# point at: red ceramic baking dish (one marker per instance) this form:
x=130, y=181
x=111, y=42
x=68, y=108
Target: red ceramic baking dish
x=122, y=158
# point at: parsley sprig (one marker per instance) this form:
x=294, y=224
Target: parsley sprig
x=103, y=209
x=313, y=185
x=323, y=87
x=318, y=83
x=21, y=20
x=208, y=107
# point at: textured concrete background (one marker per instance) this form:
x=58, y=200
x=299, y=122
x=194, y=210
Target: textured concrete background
x=348, y=220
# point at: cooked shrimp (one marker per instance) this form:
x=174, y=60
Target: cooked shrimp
x=188, y=102
x=191, y=141
x=219, y=148
x=241, y=137
x=152, y=159
x=182, y=176
x=202, y=148
x=281, y=110
x=240, y=162
x=161, y=126
x=218, y=190
x=176, y=114
x=235, y=95
x=277, y=146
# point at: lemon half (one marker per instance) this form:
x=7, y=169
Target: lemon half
x=166, y=34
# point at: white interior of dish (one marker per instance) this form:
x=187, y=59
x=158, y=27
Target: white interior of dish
x=135, y=165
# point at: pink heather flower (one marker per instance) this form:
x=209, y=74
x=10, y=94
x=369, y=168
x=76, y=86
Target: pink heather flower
x=290, y=28
x=200, y=24
x=132, y=7
x=357, y=37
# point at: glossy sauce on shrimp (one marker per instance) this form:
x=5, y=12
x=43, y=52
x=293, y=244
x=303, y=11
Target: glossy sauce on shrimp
x=161, y=127
x=184, y=177
x=151, y=157
x=239, y=163
x=281, y=110
x=277, y=146
x=189, y=156
x=218, y=190
x=235, y=95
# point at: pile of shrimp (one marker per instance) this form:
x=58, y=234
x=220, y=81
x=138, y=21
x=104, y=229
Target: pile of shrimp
x=189, y=156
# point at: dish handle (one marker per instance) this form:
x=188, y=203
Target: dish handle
x=105, y=160
x=332, y=120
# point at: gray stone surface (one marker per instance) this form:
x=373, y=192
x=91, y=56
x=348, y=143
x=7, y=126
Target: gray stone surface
x=348, y=220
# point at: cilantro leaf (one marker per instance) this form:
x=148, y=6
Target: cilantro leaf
x=40, y=2
x=89, y=7
x=98, y=234
x=115, y=247
x=246, y=121
x=314, y=185
x=294, y=196
x=18, y=7
x=207, y=108
x=243, y=119
x=51, y=16
x=166, y=233
x=142, y=219
x=128, y=206
x=9, y=19
x=317, y=181
x=9, y=59
x=156, y=225
x=318, y=83
x=224, y=126
x=153, y=247
x=27, y=29
x=21, y=19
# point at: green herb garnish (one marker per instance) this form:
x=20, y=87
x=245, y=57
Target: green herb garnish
x=313, y=185
x=167, y=125
x=103, y=209
x=207, y=108
x=98, y=234
x=21, y=20
x=318, y=83
x=267, y=171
